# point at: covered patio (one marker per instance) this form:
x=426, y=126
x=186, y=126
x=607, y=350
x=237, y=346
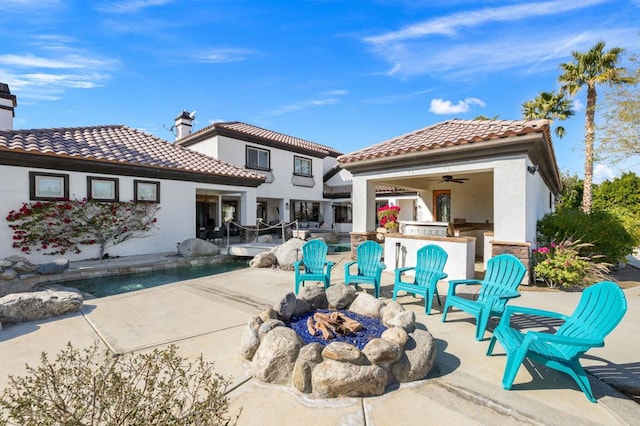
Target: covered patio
x=491, y=180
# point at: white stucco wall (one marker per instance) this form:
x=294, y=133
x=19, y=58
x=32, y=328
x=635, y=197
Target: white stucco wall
x=233, y=151
x=510, y=199
x=176, y=217
x=539, y=203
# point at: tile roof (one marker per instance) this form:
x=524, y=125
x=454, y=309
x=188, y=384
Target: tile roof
x=448, y=133
x=117, y=144
x=241, y=129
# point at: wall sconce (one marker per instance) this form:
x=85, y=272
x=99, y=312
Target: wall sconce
x=533, y=169
x=286, y=205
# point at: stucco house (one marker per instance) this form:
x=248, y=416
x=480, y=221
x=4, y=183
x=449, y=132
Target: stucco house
x=294, y=169
x=125, y=164
x=491, y=179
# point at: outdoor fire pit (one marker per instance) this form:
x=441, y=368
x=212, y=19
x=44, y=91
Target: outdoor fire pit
x=337, y=343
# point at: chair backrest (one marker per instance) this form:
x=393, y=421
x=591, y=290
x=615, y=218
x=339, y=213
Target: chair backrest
x=430, y=260
x=504, y=274
x=314, y=255
x=601, y=308
x=369, y=256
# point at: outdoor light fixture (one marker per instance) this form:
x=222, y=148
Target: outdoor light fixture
x=532, y=169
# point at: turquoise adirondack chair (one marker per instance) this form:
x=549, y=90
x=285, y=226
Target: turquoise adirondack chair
x=504, y=274
x=369, y=265
x=314, y=263
x=601, y=308
x=428, y=271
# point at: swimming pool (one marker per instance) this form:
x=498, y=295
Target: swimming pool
x=117, y=284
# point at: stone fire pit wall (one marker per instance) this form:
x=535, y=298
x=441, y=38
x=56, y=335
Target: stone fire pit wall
x=278, y=355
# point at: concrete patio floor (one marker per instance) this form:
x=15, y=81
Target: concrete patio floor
x=208, y=315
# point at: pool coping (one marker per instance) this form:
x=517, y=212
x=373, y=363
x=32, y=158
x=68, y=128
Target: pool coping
x=88, y=269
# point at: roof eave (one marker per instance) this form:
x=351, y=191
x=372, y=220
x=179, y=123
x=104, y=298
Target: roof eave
x=534, y=144
x=22, y=159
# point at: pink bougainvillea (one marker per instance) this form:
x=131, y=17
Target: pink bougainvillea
x=388, y=216
x=58, y=227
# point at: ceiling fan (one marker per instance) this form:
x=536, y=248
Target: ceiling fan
x=449, y=178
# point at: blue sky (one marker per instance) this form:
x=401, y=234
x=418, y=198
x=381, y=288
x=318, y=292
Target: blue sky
x=344, y=73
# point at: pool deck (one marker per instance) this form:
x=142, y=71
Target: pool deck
x=208, y=315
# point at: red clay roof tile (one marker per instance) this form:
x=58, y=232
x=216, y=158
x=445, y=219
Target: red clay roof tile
x=117, y=144
x=445, y=134
x=265, y=134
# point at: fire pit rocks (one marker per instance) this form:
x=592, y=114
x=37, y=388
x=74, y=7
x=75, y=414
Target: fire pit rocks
x=279, y=355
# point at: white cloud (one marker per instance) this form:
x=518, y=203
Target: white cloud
x=223, y=55
x=578, y=105
x=56, y=67
x=441, y=106
x=469, y=44
x=327, y=98
x=28, y=5
x=449, y=25
x=602, y=172
x=131, y=6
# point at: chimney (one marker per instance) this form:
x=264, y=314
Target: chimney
x=8, y=103
x=184, y=123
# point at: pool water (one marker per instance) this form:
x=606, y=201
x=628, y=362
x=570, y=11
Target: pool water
x=117, y=284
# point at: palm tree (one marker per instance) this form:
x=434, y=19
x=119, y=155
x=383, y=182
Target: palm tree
x=590, y=69
x=550, y=106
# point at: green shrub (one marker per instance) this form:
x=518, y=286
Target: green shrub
x=561, y=265
x=84, y=388
x=604, y=231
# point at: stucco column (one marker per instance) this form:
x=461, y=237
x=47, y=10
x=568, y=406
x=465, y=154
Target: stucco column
x=510, y=200
x=363, y=200
x=248, y=206
x=219, y=218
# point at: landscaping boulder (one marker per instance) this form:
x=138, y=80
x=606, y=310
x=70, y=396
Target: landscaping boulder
x=340, y=296
x=268, y=238
x=286, y=306
x=21, y=307
x=274, y=360
x=54, y=267
x=288, y=252
x=367, y=305
x=266, y=259
x=250, y=340
x=195, y=247
x=333, y=379
x=418, y=358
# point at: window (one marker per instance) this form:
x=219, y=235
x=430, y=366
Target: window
x=342, y=213
x=48, y=186
x=102, y=189
x=306, y=211
x=258, y=158
x=301, y=166
x=148, y=191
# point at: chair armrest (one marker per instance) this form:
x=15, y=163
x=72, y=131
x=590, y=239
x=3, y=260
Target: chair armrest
x=330, y=264
x=296, y=265
x=512, y=309
x=400, y=271
x=509, y=295
x=441, y=276
x=564, y=340
x=348, y=265
x=454, y=283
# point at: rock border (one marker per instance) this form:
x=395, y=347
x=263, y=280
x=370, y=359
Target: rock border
x=278, y=355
